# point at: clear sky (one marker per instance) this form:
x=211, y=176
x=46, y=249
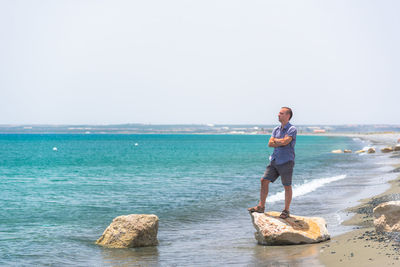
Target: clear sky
x=167, y=62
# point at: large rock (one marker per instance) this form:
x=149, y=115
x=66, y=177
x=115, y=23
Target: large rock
x=387, y=217
x=127, y=231
x=371, y=150
x=396, y=148
x=272, y=230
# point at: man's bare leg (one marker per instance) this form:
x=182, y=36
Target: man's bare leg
x=288, y=196
x=263, y=195
x=263, y=192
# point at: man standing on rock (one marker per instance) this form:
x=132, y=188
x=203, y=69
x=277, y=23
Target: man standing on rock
x=283, y=140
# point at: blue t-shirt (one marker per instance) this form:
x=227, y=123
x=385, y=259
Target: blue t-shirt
x=283, y=154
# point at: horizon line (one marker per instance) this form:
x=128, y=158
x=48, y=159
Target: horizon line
x=202, y=124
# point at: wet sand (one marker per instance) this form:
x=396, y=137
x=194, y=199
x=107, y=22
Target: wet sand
x=363, y=247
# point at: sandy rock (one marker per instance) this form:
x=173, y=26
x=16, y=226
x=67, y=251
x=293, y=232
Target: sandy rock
x=387, y=149
x=360, y=151
x=272, y=230
x=396, y=148
x=127, y=231
x=337, y=151
x=347, y=151
x=371, y=150
x=387, y=217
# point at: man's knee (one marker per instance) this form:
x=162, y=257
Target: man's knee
x=287, y=187
x=264, y=181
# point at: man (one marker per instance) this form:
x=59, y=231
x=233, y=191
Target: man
x=283, y=140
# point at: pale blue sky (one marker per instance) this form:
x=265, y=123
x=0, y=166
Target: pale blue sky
x=101, y=62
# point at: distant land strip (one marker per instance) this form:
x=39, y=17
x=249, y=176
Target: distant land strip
x=190, y=129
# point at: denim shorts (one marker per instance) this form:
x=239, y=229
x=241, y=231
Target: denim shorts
x=284, y=170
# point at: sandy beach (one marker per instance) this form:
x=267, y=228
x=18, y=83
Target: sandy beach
x=363, y=246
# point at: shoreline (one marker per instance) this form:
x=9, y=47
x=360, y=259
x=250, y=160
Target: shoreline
x=362, y=246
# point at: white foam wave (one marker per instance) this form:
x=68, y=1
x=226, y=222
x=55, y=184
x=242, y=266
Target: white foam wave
x=307, y=187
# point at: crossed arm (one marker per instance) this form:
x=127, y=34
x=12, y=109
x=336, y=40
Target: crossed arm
x=276, y=142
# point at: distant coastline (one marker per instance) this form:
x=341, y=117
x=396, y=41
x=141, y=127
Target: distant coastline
x=242, y=129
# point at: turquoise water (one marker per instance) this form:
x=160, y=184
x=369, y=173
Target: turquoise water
x=56, y=203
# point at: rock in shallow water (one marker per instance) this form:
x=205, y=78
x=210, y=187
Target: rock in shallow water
x=127, y=231
x=387, y=149
x=272, y=230
x=387, y=217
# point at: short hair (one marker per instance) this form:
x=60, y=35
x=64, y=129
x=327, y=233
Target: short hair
x=289, y=110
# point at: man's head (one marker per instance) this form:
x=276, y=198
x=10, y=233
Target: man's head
x=285, y=114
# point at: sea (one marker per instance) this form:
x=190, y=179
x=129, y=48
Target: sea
x=58, y=193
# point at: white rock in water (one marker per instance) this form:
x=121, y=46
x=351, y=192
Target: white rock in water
x=127, y=231
x=337, y=151
x=386, y=149
x=387, y=217
x=272, y=230
x=55, y=149
x=136, y=144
